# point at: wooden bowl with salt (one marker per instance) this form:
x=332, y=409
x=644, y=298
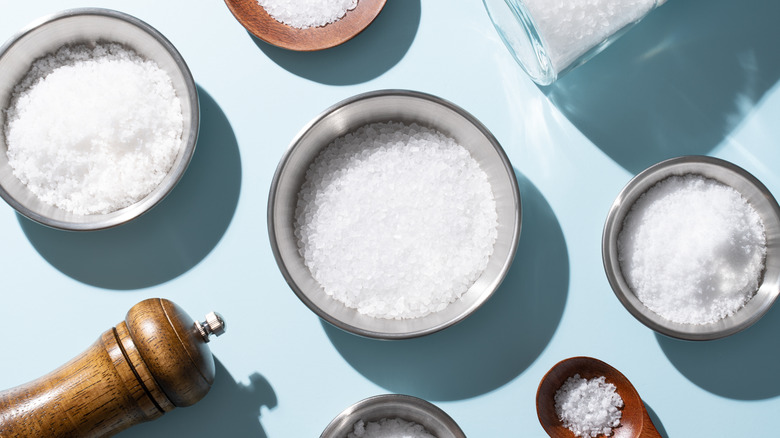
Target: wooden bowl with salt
x=635, y=421
x=262, y=25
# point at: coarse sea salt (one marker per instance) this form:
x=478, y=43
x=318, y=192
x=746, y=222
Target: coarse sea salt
x=570, y=28
x=389, y=428
x=303, y=14
x=92, y=129
x=692, y=249
x=396, y=221
x=588, y=407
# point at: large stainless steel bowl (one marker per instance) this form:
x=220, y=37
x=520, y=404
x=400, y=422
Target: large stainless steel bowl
x=405, y=407
x=382, y=106
x=751, y=189
x=89, y=25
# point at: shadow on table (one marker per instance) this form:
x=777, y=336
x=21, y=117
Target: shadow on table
x=367, y=56
x=676, y=84
x=230, y=409
x=656, y=421
x=171, y=238
x=495, y=344
x=743, y=366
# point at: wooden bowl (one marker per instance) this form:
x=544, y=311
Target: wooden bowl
x=635, y=422
x=260, y=24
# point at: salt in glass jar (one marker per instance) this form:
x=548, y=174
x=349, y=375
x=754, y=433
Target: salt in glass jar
x=550, y=37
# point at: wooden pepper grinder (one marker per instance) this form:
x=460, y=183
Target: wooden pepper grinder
x=154, y=360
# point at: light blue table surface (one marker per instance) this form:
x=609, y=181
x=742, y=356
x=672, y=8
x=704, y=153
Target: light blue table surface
x=694, y=78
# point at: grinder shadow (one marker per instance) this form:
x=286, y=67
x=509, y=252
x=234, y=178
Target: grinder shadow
x=229, y=409
x=495, y=344
x=171, y=238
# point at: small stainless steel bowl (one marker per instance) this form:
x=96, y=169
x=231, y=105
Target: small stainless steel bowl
x=405, y=407
x=751, y=189
x=89, y=25
x=399, y=106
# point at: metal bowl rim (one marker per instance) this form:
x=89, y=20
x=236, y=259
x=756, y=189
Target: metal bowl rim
x=609, y=247
x=400, y=399
x=157, y=194
x=286, y=157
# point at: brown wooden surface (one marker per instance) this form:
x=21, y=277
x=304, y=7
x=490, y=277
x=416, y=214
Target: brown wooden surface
x=145, y=366
x=86, y=397
x=184, y=374
x=634, y=423
x=257, y=21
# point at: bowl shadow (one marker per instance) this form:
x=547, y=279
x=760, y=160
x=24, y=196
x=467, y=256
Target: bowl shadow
x=496, y=343
x=365, y=57
x=742, y=366
x=676, y=84
x=656, y=420
x=229, y=409
x=172, y=237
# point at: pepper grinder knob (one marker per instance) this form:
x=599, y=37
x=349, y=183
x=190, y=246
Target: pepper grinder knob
x=213, y=325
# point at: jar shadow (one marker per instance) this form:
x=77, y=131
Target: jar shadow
x=678, y=83
x=363, y=58
x=229, y=409
x=496, y=343
x=171, y=238
x=742, y=366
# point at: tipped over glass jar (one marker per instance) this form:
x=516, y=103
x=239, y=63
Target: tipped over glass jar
x=550, y=37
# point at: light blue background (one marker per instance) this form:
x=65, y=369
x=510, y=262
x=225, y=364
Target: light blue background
x=694, y=78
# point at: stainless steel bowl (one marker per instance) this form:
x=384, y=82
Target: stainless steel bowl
x=727, y=173
x=382, y=106
x=89, y=25
x=405, y=407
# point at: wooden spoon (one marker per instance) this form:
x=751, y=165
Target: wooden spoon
x=257, y=21
x=635, y=422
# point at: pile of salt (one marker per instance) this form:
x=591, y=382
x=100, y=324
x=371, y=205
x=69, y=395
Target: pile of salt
x=396, y=221
x=389, y=428
x=93, y=129
x=692, y=249
x=303, y=14
x=588, y=408
x=570, y=28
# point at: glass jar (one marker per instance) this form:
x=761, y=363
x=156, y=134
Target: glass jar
x=550, y=37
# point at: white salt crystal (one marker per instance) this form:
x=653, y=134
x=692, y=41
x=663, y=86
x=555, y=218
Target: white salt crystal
x=692, y=249
x=570, y=28
x=93, y=129
x=588, y=408
x=389, y=428
x=396, y=221
x=303, y=14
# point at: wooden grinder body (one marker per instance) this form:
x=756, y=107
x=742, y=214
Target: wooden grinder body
x=148, y=364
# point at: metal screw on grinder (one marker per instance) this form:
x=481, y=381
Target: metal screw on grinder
x=214, y=325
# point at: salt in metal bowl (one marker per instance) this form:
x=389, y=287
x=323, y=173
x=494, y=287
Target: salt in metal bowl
x=405, y=407
x=400, y=106
x=87, y=26
x=731, y=175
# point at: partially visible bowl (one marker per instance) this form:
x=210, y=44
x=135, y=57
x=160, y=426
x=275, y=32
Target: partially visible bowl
x=731, y=175
x=89, y=25
x=405, y=407
x=399, y=106
x=259, y=23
